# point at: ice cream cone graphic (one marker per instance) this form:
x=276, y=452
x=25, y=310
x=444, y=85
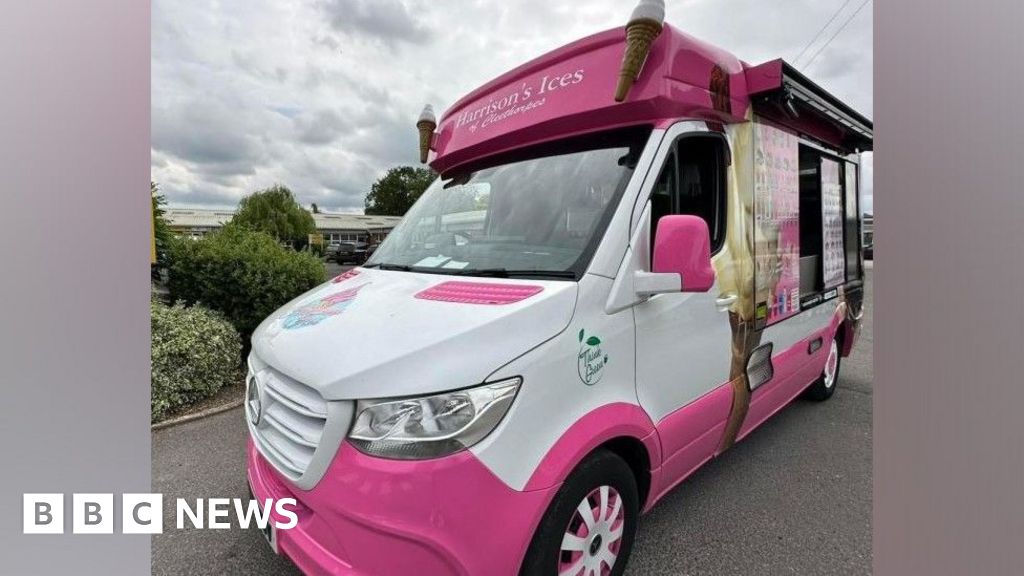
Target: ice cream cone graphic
x=644, y=26
x=426, y=125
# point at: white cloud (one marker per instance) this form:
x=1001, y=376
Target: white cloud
x=322, y=96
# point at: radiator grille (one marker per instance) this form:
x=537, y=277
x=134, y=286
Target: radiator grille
x=291, y=423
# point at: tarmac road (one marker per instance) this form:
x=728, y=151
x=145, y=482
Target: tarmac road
x=793, y=498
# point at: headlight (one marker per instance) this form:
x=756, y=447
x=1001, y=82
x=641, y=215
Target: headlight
x=431, y=426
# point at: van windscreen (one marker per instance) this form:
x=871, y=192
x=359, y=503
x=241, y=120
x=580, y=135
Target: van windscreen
x=539, y=214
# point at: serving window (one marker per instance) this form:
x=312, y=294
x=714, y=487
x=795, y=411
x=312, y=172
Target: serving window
x=828, y=222
x=806, y=234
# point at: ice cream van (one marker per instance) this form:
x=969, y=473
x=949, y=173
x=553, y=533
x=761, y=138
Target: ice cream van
x=638, y=249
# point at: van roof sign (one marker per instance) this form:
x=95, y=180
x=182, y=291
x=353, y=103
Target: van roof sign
x=570, y=91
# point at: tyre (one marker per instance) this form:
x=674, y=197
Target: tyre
x=589, y=527
x=825, y=386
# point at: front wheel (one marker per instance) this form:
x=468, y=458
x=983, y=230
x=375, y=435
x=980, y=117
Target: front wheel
x=825, y=386
x=589, y=527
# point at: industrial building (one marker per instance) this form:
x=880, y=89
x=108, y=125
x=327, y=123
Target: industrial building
x=197, y=222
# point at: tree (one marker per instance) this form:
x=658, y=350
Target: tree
x=161, y=230
x=395, y=192
x=275, y=211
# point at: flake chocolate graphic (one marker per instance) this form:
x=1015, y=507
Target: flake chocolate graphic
x=719, y=88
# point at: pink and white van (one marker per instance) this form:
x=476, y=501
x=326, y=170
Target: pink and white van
x=594, y=299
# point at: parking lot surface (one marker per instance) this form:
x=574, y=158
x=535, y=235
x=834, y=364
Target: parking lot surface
x=794, y=497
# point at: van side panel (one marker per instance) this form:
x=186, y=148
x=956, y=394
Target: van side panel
x=589, y=365
x=603, y=424
x=795, y=329
x=795, y=368
x=690, y=437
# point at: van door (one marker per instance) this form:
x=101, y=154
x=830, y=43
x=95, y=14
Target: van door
x=684, y=340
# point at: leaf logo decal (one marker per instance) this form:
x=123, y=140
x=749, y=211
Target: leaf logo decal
x=591, y=361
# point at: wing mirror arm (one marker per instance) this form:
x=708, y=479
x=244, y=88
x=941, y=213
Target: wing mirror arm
x=647, y=284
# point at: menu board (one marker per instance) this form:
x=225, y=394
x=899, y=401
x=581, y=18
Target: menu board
x=833, y=255
x=777, y=221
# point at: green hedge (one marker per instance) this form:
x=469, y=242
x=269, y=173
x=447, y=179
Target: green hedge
x=195, y=353
x=242, y=274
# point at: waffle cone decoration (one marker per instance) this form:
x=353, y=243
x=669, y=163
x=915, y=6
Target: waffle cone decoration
x=426, y=125
x=644, y=27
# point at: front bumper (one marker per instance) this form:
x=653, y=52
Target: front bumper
x=372, y=516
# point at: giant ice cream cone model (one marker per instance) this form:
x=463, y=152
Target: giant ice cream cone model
x=426, y=125
x=644, y=26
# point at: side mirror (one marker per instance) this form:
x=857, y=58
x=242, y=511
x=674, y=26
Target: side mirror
x=682, y=245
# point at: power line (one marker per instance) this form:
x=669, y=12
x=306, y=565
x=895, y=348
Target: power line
x=821, y=31
x=841, y=28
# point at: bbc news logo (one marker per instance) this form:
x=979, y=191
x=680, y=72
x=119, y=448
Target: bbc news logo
x=144, y=513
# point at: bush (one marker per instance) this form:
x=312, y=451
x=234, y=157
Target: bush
x=244, y=275
x=195, y=353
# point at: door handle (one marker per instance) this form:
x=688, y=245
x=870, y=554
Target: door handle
x=723, y=302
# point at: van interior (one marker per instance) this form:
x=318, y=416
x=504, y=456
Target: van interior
x=811, y=220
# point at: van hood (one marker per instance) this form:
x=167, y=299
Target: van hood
x=379, y=334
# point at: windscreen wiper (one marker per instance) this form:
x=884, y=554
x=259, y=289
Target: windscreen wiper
x=506, y=273
x=386, y=266
x=484, y=272
x=407, y=268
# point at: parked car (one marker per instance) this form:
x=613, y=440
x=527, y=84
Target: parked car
x=330, y=250
x=349, y=252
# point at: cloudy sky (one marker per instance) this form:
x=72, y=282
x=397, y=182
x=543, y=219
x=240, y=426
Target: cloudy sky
x=323, y=95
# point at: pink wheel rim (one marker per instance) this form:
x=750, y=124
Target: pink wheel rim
x=593, y=538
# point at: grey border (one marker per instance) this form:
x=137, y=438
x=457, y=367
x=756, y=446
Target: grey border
x=949, y=288
x=74, y=286
x=948, y=431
